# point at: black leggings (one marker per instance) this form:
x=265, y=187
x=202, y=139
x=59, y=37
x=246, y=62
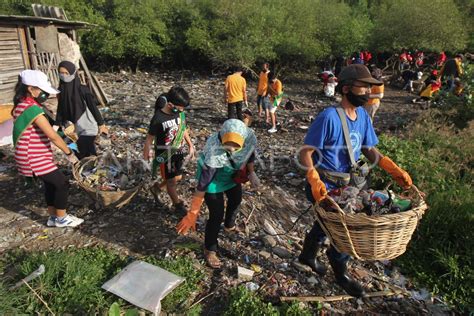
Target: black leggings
x=215, y=203
x=234, y=110
x=56, y=189
x=86, y=146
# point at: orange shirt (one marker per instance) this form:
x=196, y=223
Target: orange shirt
x=235, y=86
x=276, y=88
x=262, y=83
x=375, y=90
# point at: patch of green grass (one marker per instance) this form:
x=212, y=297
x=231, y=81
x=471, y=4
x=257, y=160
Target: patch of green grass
x=73, y=278
x=440, y=256
x=178, y=299
x=245, y=302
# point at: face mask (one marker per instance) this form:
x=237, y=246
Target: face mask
x=42, y=97
x=67, y=78
x=357, y=100
x=230, y=152
x=176, y=110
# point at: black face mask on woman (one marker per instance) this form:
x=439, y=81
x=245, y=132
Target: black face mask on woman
x=357, y=100
x=42, y=97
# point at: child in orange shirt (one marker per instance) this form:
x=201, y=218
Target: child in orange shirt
x=275, y=91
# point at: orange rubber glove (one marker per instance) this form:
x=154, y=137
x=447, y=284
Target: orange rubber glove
x=318, y=188
x=189, y=221
x=398, y=174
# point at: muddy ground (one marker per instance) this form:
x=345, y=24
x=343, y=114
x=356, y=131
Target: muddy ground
x=141, y=228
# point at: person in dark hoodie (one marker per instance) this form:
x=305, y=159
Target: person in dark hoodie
x=77, y=104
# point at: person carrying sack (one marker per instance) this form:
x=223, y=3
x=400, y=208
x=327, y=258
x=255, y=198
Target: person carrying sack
x=169, y=132
x=331, y=152
x=227, y=161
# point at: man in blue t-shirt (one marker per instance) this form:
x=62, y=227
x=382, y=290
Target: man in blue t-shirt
x=325, y=150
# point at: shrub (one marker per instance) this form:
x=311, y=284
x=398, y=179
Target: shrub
x=439, y=159
x=245, y=302
x=73, y=278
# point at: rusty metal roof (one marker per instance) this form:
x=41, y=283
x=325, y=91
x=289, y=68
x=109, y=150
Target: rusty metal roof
x=40, y=21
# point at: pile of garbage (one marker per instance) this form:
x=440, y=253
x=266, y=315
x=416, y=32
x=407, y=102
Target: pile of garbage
x=371, y=202
x=112, y=176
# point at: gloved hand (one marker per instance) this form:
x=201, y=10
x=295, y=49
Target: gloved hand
x=103, y=130
x=189, y=221
x=254, y=180
x=398, y=174
x=318, y=188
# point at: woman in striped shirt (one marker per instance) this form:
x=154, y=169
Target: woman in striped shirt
x=32, y=137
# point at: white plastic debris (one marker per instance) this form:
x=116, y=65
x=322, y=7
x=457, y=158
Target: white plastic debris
x=143, y=285
x=30, y=277
x=244, y=274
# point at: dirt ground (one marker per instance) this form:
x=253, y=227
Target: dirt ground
x=141, y=228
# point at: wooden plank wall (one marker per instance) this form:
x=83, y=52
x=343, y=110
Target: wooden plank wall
x=48, y=63
x=11, y=62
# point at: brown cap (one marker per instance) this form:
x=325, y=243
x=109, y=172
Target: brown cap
x=357, y=72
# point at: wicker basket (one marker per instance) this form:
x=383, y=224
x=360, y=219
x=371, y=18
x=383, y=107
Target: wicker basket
x=112, y=199
x=364, y=237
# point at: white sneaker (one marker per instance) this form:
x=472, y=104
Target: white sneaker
x=272, y=130
x=51, y=221
x=69, y=221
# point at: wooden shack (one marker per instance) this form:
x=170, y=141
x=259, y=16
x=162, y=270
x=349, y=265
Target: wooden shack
x=35, y=42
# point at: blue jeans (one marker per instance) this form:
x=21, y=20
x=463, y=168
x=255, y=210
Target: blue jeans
x=317, y=235
x=262, y=102
x=450, y=83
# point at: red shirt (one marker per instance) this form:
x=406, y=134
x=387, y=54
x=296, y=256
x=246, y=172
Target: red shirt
x=33, y=153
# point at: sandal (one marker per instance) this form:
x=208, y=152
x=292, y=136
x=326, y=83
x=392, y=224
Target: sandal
x=155, y=191
x=212, y=259
x=230, y=229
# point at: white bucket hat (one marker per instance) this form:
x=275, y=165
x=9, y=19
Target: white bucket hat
x=37, y=79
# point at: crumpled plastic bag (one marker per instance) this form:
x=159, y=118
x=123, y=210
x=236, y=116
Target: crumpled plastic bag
x=143, y=285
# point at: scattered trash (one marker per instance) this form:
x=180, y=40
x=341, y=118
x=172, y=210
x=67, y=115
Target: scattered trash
x=143, y=285
x=256, y=268
x=421, y=295
x=244, y=274
x=29, y=278
x=312, y=280
x=251, y=286
x=352, y=200
x=108, y=175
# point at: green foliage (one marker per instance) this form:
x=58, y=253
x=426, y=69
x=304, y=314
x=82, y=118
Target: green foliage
x=182, y=266
x=440, y=162
x=458, y=110
x=72, y=282
x=245, y=302
x=226, y=32
x=425, y=24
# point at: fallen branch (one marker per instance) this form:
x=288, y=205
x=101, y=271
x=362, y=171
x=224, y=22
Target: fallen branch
x=39, y=297
x=203, y=298
x=390, y=285
x=337, y=297
x=266, y=283
x=246, y=221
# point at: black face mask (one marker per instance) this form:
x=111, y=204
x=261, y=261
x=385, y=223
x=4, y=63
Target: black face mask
x=357, y=100
x=43, y=96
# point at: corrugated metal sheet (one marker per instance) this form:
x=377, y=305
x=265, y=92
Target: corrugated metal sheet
x=49, y=11
x=11, y=62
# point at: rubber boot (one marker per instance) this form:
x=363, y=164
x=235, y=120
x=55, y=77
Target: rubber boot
x=351, y=286
x=308, y=256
